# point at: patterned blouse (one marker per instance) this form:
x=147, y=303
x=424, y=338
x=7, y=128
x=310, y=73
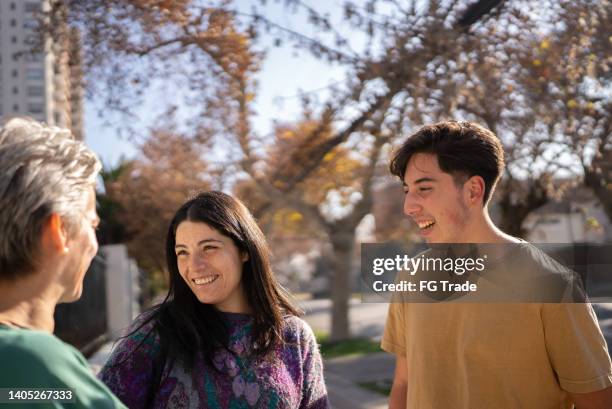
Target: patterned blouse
x=291, y=376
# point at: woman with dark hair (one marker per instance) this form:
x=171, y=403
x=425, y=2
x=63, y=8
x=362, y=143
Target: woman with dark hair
x=226, y=335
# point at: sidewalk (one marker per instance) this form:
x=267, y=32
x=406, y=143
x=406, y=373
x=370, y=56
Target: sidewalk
x=344, y=394
x=342, y=375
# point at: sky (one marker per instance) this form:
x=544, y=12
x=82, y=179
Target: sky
x=283, y=75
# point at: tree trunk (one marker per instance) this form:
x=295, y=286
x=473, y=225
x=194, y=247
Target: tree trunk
x=514, y=212
x=343, y=245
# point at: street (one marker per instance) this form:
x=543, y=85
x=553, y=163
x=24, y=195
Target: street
x=366, y=319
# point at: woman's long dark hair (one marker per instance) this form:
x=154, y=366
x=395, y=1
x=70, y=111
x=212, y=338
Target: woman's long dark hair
x=186, y=326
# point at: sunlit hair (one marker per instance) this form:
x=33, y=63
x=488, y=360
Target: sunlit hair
x=43, y=170
x=463, y=149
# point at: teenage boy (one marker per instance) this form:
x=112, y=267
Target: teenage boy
x=476, y=355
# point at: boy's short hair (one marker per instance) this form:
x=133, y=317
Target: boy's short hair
x=463, y=149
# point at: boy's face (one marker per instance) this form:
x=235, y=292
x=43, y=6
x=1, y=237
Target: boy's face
x=434, y=201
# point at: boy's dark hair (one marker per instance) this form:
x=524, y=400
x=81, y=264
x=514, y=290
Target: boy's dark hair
x=463, y=149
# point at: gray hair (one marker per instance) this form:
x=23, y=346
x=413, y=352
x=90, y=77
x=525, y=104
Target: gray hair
x=43, y=170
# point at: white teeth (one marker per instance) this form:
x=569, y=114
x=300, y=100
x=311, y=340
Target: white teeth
x=206, y=280
x=424, y=225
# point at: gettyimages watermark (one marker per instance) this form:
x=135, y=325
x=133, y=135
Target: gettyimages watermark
x=486, y=272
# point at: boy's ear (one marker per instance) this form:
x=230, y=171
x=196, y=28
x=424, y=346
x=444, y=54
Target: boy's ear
x=54, y=235
x=476, y=188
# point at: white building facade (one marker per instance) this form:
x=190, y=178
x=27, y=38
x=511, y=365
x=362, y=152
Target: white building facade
x=47, y=85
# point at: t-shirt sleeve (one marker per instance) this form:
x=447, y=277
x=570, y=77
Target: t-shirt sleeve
x=129, y=370
x=43, y=361
x=394, y=339
x=314, y=392
x=576, y=347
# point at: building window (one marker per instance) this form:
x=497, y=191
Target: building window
x=15, y=73
x=35, y=91
x=35, y=108
x=14, y=39
x=32, y=7
x=15, y=108
x=31, y=40
x=15, y=90
x=33, y=57
x=12, y=6
x=35, y=74
x=13, y=22
x=58, y=118
x=30, y=23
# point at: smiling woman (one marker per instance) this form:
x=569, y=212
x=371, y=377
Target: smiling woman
x=211, y=265
x=226, y=335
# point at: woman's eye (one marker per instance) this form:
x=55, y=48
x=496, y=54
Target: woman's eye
x=181, y=253
x=208, y=248
x=424, y=189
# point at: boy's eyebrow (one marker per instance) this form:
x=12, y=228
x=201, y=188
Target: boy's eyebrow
x=421, y=180
x=425, y=179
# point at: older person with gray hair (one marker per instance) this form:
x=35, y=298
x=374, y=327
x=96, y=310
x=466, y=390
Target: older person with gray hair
x=47, y=241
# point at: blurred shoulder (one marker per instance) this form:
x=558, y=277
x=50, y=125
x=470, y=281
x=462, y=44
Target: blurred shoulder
x=33, y=345
x=31, y=357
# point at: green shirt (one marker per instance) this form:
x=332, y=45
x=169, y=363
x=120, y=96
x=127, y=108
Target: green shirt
x=37, y=360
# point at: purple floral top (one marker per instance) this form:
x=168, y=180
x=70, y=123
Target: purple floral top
x=289, y=377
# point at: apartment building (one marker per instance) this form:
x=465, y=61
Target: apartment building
x=45, y=85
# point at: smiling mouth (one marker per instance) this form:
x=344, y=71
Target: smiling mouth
x=424, y=225
x=204, y=280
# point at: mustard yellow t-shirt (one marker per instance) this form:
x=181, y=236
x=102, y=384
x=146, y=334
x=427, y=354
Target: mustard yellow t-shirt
x=468, y=355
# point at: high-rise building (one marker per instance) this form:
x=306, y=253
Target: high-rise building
x=45, y=85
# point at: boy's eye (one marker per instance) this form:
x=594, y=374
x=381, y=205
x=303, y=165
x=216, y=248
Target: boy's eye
x=424, y=189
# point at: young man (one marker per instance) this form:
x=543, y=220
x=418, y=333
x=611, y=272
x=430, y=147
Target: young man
x=474, y=355
x=47, y=241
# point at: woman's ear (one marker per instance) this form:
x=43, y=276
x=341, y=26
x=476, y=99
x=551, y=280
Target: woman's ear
x=54, y=234
x=244, y=256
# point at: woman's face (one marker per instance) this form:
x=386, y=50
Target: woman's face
x=211, y=265
x=82, y=247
